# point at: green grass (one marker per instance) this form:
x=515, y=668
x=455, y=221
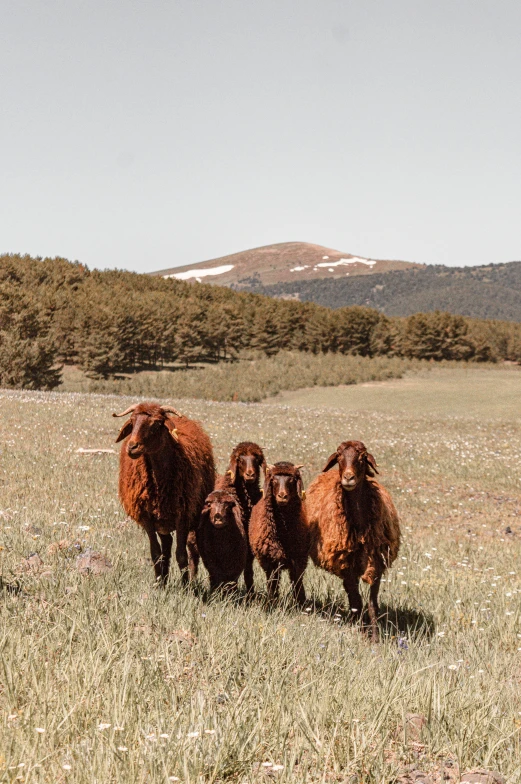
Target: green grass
x=251, y=379
x=304, y=691
x=465, y=389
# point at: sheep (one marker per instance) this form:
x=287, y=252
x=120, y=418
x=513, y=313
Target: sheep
x=278, y=530
x=166, y=470
x=243, y=477
x=221, y=539
x=354, y=527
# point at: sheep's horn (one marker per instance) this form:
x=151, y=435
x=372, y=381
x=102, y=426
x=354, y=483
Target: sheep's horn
x=269, y=467
x=128, y=411
x=300, y=466
x=171, y=410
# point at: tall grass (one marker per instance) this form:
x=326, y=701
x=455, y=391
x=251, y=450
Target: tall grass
x=248, y=380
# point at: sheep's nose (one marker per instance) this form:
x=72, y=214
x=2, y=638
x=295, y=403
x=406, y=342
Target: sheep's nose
x=249, y=475
x=132, y=447
x=349, y=480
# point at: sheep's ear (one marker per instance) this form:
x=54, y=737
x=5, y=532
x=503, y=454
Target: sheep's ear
x=371, y=468
x=331, y=462
x=205, y=512
x=300, y=491
x=125, y=431
x=264, y=464
x=238, y=515
x=232, y=469
x=173, y=430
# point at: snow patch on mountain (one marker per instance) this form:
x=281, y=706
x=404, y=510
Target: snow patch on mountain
x=201, y=273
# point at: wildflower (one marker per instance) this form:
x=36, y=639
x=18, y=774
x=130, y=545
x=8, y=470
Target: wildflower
x=193, y=735
x=40, y=729
x=103, y=726
x=67, y=767
x=210, y=732
x=164, y=735
x=277, y=767
x=122, y=748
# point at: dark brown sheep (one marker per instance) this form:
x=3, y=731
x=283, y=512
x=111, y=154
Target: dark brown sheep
x=221, y=539
x=278, y=530
x=243, y=475
x=353, y=524
x=166, y=470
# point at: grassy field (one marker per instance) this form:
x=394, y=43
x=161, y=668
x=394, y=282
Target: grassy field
x=250, y=379
x=107, y=679
x=491, y=391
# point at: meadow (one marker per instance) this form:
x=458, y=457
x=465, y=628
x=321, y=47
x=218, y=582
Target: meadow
x=250, y=379
x=105, y=678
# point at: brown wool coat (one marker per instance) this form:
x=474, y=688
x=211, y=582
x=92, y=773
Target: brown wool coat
x=165, y=492
x=223, y=550
x=347, y=536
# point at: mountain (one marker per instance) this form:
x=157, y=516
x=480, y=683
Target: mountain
x=492, y=291
x=281, y=263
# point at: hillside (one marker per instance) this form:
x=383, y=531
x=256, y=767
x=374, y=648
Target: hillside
x=491, y=292
x=282, y=263
x=54, y=312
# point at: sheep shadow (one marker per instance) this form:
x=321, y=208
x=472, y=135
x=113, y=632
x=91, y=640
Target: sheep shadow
x=408, y=622
x=401, y=622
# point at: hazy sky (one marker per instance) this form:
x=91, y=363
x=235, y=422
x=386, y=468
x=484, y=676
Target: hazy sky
x=149, y=134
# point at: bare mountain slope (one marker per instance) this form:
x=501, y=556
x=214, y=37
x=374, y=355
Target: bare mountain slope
x=282, y=263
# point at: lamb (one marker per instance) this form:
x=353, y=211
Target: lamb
x=242, y=478
x=354, y=527
x=278, y=530
x=166, y=471
x=221, y=539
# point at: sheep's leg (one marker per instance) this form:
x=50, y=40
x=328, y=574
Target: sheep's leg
x=373, y=607
x=248, y=572
x=273, y=577
x=181, y=554
x=353, y=594
x=193, y=555
x=166, y=548
x=296, y=574
x=156, y=554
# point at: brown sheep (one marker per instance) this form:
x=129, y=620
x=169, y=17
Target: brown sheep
x=278, y=530
x=243, y=475
x=221, y=539
x=166, y=470
x=354, y=526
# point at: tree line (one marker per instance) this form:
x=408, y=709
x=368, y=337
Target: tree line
x=53, y=311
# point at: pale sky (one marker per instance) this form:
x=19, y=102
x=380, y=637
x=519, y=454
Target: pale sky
x=144, y=135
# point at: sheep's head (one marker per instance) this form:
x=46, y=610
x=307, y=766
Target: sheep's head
x=354, y=463
x=284, y=483
x=246, y=461
x=150, y=426
x=221, y=509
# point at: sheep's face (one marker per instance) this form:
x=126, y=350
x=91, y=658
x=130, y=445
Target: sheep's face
x=221, y=510
x=285, y=483
x=246, y=462
x=146, y=429
x=354, y=464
